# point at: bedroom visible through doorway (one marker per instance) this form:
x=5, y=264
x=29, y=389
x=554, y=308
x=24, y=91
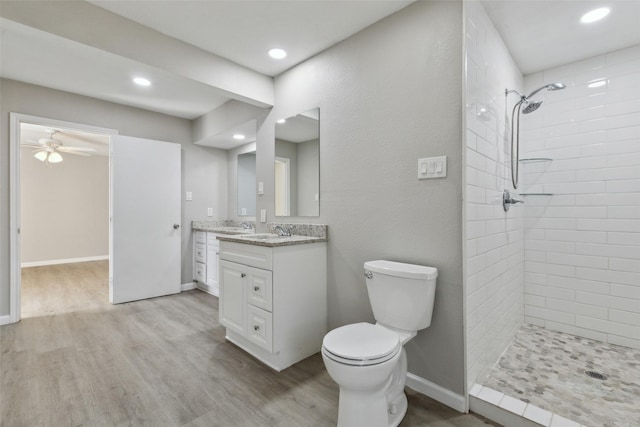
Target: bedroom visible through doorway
x=64, y=220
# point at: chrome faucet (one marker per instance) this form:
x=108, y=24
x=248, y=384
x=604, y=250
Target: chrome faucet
x=281, y=231
x=246, y=226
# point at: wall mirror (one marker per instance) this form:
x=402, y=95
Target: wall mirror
x=247, y=184
x=297, y=165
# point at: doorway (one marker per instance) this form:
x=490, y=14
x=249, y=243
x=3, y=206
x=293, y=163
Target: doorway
x=282, y=193
x=64, y=216
x=144, y=214
x=39, y=147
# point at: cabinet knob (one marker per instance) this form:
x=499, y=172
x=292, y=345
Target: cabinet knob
x=256, y=327
x=256, y=288
x=243, y=275
x=176, y=226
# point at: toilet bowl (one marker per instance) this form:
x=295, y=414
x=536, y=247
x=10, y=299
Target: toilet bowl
x=367, y=360
x=364, y=360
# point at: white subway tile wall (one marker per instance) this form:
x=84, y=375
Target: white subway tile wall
x=494, y=249
x=582, y=244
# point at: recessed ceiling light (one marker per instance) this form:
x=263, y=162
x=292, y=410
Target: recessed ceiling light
x=595, y=15
x=281, y=121
x=277, y=53
x=141, y=81
x=238, y=136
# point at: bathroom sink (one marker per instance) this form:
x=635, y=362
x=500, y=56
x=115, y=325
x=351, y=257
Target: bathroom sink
x=271, y=239
x=263, y=236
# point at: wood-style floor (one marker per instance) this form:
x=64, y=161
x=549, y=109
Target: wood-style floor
x=76, y=360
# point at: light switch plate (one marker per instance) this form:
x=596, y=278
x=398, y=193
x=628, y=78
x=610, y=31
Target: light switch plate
x=432, y=167
x=263, y=215
x=261, y=187
x=189, y=195
x=209, y=211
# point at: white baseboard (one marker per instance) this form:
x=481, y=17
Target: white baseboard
x=5, y=320
x=436, y=392
x=187, y=286
x=64, y=261
x=206, y=288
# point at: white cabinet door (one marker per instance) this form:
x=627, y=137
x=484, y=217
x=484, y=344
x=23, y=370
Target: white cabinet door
x=212, y=265
x=233, y=300
x=145, y=219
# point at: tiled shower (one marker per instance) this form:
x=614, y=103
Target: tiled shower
x=582, y=241
x=568, y=259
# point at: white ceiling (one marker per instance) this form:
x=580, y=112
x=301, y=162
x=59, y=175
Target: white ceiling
x=243, y=31
x=539, y=33
x=543, y=34
x=45, y=59
x=300, y=128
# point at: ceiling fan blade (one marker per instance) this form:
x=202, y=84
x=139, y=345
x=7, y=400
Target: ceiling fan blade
x=77, y=153
x=70, y=149
x=32, y=145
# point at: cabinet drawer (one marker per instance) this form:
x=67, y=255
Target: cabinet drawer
x=259, y=327
x=201, y=272
x=200, y=254
x=260, y=289
x=251, y=255
x=200, y=236
x=212, y=239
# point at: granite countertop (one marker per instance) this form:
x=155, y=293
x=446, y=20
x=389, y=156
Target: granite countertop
x=221, y=227
x=232, y=231
x=271, y=240
x=228, y=230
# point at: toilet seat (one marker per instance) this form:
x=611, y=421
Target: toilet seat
x=361, y=344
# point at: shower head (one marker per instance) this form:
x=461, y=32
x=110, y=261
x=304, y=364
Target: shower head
x=531, y=107
x=549, y=87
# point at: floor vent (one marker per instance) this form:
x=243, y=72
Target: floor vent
x=596, y=375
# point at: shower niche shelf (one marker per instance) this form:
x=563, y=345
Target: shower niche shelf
x=536, y=160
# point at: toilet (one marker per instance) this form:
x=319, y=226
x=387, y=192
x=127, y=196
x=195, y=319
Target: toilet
x=368, y=360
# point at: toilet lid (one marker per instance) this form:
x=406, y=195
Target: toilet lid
x=362, y=342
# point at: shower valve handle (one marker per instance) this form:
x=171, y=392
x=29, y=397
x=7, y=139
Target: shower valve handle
x=507, y=200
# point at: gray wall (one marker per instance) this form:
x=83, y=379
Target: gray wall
x=64, y=207
x=289, y=150
x=388, y=95
x=308, y=177
x=232, y=181
x=203, y=169
x=247, y=184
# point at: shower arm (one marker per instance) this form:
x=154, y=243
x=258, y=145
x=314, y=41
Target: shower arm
x=507, y=92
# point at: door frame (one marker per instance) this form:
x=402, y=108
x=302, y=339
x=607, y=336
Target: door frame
x=15, y=119
x=286, y=162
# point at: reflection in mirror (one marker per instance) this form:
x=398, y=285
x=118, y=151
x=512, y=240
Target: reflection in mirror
x=247, y=184
x=297, y=165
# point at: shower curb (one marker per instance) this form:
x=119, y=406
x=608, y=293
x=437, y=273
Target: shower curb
x=512, y=412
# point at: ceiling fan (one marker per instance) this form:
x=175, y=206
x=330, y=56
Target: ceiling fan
x=48, y=150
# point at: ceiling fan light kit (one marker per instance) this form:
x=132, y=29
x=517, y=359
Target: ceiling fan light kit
x=48, y=149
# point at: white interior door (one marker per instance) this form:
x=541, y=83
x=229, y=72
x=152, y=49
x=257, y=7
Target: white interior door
x=145, y=216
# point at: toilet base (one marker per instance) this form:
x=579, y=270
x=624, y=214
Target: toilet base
x=397, y=410
x=357, y=410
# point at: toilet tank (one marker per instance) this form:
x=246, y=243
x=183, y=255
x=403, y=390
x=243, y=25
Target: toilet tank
x=401, y=295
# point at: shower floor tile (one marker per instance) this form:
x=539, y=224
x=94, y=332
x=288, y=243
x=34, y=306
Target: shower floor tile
x=547, y=369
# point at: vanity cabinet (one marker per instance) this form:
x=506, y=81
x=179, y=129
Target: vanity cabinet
x=205, y=261
x=273, y=300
